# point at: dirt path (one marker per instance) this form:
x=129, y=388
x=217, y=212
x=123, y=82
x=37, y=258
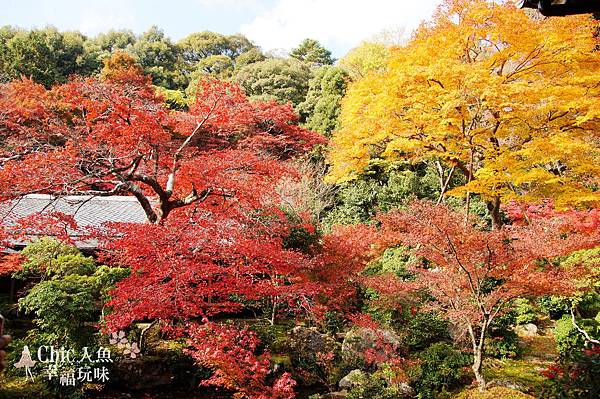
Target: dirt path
x=538, y=352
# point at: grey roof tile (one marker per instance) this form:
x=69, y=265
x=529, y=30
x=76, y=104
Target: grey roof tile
x=88, y=211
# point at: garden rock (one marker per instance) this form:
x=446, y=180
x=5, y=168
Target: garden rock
x=406, y=391
x=352, y=379
x=304, y=347
x=358, y=341
x=303, y=340
x=506, y=384
x=527, y=330
x=142, y=373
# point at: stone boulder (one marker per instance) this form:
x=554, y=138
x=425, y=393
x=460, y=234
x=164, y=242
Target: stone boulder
x=527, y=330
x=148, y=372
x=406, y=391
x=352, y=379
x=358, y=341
x=303, y=346
x=304, y=340
x=506, y=384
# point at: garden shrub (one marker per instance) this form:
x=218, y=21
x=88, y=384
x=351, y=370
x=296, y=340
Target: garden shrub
x=569, y=341
x=377, y=310
x=384, y=383
x=393, y=261
x=576, y=379
x=502, y=347
x=425, y=329
x=554, y=306
x=65, y=301
x=106, y=277
x=524, y=311
x=575, y=374
x=441, y=368
x=62, y=306
x=374, y=387
x=49, y=256
x=502, y=341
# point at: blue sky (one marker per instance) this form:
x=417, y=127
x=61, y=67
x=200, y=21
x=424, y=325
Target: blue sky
x=272, y=24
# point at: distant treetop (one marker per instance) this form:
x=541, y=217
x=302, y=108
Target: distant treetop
x=313, y=52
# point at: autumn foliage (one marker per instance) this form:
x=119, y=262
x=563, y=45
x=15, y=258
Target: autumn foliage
x=116, y=136
x=473, y=273
x=231, y=351
x=507, y=101
x=217, y=242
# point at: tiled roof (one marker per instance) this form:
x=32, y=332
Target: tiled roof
x=88, y=211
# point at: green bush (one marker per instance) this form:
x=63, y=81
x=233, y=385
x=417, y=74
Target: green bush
x=425, y=329
x=61, y=307
x=525, y=312
x=378, y=311
x=273, y=338
x=441, y=369
x=554, y=306
x=106, y=277
x=575, y=375
x=65, y=302
x=393, y=261
x=502, y=341
x=503, y=347
x=374, y=386
x=48, y=256
x=569, y=341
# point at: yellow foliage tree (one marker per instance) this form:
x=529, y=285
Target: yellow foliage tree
x=511, y=102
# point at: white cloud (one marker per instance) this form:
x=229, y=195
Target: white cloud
x=338, y=24
x=229, y=3
x=111, y=14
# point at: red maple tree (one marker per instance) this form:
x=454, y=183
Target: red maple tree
x=473, y=273
x=231, y=351
x=217, y=241
x=116, y=136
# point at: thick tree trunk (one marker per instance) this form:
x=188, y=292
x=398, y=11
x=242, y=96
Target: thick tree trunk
x=477, y=367
x=494, y=209
x=478, y=345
